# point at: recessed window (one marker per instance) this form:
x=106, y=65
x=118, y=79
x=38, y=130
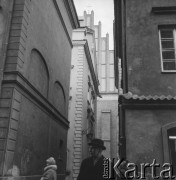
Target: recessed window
x=103, y=71
x=172, y=146
x=103, y=57
x=111, y=57
x=103, y=44
x=37, y=72
x=167, y=37
x=111, y=84
x=111, y=70
x=88, y=21
x=59, y=99
x=96, y=32
x=103, y=84
x=96, y=43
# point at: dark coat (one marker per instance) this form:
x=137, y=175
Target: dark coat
x=50, y=173
x=89, y=171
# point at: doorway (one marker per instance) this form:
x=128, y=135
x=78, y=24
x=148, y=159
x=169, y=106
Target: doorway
x=172, y=148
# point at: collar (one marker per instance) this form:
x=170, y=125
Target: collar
x=54, y=167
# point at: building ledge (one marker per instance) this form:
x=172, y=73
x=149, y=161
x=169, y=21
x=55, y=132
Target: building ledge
x=164, y=10
x=130, y=100
x=129, y=95
x=133, y=101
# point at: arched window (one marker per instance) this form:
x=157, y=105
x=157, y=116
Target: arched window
x=38, y=74
x=59, y=100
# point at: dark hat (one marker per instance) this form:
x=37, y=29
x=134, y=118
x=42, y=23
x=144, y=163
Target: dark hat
x=97, y=143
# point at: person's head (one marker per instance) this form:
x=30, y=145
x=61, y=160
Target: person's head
x=96, y=148
x=50, y=161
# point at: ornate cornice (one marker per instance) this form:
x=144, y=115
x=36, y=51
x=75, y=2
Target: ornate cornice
x=70, y=7
x=134, y=101
x=63, y=22
x=164, y=10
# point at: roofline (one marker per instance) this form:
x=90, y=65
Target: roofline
x=134, y=101
x=72, y=13
x=88, y=30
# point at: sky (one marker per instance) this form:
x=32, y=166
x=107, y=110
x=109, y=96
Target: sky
x=103, y=11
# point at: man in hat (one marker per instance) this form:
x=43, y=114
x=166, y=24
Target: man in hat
x=92, y=168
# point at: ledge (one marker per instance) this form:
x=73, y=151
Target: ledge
x=164, y=10
x=71, y=10
x=63, y=22
x=132, y=101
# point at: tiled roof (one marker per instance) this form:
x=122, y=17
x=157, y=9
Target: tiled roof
x=130, y=96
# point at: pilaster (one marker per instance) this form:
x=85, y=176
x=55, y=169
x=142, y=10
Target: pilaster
x=10, y=99
x=18, y=36
x=77, y=153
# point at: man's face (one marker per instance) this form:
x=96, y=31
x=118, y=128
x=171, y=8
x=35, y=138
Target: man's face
x=94, y=151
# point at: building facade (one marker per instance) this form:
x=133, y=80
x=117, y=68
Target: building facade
x=145, y=51
x=107, y=114
x=35, y=46
x=83, y=97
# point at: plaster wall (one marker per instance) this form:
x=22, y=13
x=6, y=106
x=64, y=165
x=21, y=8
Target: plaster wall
x=143, y=52
x=34, y=127
x=144, y=138
x=39, y=135
x=108, y=105
x=48, y=36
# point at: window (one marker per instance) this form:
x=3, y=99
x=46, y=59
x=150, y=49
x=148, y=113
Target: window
x=37, y=72
x=58, y=96
x=103, y=71
x=103, y=45
x=88, y=21
x=103, y=84
x=103, y=57
x=172, y=147
x=106, y=125
x=111, y=70
x=167, y=37
x=96, y=32
x=96, y=43
x=111, y=84
x=169, y=144
x=97, y=55
x=111, y=57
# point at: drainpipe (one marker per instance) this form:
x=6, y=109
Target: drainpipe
x=122, y=138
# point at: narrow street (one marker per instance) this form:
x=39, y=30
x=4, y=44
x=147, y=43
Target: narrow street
x=87, y=89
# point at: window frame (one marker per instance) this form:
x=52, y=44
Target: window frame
x=103, y=57
x=113, y=83
x=111, y=73
x=101, y=86
x=103, y=71
x=173, y=28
